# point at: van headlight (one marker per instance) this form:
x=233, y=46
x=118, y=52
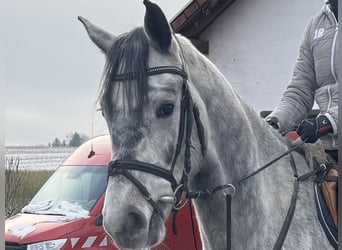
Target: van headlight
x=47, y=245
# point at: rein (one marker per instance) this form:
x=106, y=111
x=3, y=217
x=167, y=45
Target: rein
x=287, y=222
x=232, y=187
x=206, y=192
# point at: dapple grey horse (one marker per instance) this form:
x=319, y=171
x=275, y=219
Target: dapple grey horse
x=147, y=72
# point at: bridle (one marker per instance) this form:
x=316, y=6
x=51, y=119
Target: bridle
x=188, y=112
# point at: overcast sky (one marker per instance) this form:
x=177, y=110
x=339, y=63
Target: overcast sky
x=52, y=70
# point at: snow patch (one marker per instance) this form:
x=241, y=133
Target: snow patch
x=69, y=211
x=32, y=208
x=22, y=230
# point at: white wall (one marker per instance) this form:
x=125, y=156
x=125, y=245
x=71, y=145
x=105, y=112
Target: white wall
x=255, y=44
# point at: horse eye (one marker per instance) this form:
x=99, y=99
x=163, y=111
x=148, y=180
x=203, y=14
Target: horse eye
x=165, y=110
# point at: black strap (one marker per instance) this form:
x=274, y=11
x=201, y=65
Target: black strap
x=143, y=167
x=200, y=128
x=290, y=212
x=192, y=224
x=330, y=178
x=229, y=221
x=174, y=222
x=289, y=151
x=181, y=127
x=167, y=69
x=189, y=123
x=209, y=191
x=151, y=72
x=142, y=190
x=319, y=169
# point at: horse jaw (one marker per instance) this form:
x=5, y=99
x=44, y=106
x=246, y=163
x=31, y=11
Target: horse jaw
x=128, y=218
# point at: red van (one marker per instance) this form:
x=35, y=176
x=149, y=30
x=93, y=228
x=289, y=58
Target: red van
x=66, y=212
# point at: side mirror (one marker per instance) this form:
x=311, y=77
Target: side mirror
x=99, y=220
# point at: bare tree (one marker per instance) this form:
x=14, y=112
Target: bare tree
x=14, y=180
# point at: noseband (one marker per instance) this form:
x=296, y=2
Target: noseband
x=188, y=111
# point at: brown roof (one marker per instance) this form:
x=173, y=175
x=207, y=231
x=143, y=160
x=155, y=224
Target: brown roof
x=197, y=15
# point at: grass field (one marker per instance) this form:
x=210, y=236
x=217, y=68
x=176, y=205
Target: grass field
x=21, y=185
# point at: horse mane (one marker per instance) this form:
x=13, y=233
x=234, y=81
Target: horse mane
x=128, y=54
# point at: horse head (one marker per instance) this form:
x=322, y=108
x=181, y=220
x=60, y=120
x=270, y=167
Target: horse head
x=147, y=106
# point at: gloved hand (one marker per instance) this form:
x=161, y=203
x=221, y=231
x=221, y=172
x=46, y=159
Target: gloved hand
x=310, y=130
x=273, y=121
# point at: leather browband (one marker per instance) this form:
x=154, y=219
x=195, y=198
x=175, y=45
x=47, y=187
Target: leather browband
x=153, y=71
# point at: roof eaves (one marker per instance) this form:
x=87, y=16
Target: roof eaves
x=197, y=15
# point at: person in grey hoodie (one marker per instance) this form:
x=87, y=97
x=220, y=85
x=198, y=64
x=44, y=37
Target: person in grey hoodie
x=314, y=79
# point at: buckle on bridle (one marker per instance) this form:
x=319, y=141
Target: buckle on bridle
x=180, y=197
x=180, y=204
x=232, y=188
x=177, y=203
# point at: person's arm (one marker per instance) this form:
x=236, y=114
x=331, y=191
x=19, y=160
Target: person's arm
x=298, y=98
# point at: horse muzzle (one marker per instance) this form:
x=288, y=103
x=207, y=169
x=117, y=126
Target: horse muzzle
x=129, y=223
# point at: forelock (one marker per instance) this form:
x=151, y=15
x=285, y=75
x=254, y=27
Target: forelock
x=128, y=54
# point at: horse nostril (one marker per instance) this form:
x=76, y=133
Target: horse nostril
x=135, y=223
x=131, y=231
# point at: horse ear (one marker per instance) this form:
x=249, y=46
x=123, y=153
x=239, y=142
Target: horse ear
x=157, y=26
x=101, y=38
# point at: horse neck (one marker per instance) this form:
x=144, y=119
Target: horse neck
x=239, y=142
x=229, y=119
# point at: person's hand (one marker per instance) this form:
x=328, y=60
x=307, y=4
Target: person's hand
x=310, y=130
x=273, y=121
x=307, y=130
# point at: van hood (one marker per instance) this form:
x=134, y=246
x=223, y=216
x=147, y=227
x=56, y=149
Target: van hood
x=27, y=228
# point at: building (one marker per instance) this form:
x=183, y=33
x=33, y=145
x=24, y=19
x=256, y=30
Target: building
x=253, y=42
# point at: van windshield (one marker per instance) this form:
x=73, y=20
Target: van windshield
x=70, y=190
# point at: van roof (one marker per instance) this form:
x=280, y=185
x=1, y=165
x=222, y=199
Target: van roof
x=101, y=146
